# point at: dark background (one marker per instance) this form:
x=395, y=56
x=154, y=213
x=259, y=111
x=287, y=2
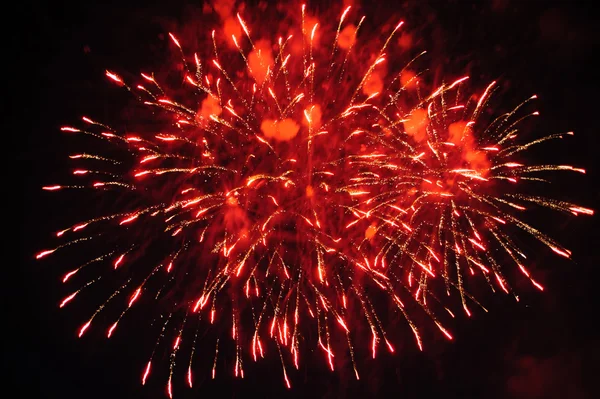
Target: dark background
x=544, y=347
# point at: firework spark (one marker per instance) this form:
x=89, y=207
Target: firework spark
x=283, y=185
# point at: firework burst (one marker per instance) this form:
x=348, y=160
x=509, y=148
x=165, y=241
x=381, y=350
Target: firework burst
x=283, y=183
x=441, y=192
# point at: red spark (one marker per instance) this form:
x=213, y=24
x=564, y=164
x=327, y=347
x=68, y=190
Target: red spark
x=119, y=260
x=83, y=328
x=111, y=330
x=146, y=372
x=67, y=299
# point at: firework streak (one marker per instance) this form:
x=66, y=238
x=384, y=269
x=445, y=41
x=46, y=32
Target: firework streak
x=284, y=187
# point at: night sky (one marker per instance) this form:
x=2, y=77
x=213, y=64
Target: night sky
x=546, y=346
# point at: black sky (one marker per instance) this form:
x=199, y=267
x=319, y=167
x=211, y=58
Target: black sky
x=546, y=346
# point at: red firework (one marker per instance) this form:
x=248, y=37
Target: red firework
x=283, y=185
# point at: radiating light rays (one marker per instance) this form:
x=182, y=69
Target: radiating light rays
x=430, y=203
x=297, y=186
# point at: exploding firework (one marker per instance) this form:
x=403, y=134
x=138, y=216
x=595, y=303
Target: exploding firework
x=441, y=192
x=284, y=186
